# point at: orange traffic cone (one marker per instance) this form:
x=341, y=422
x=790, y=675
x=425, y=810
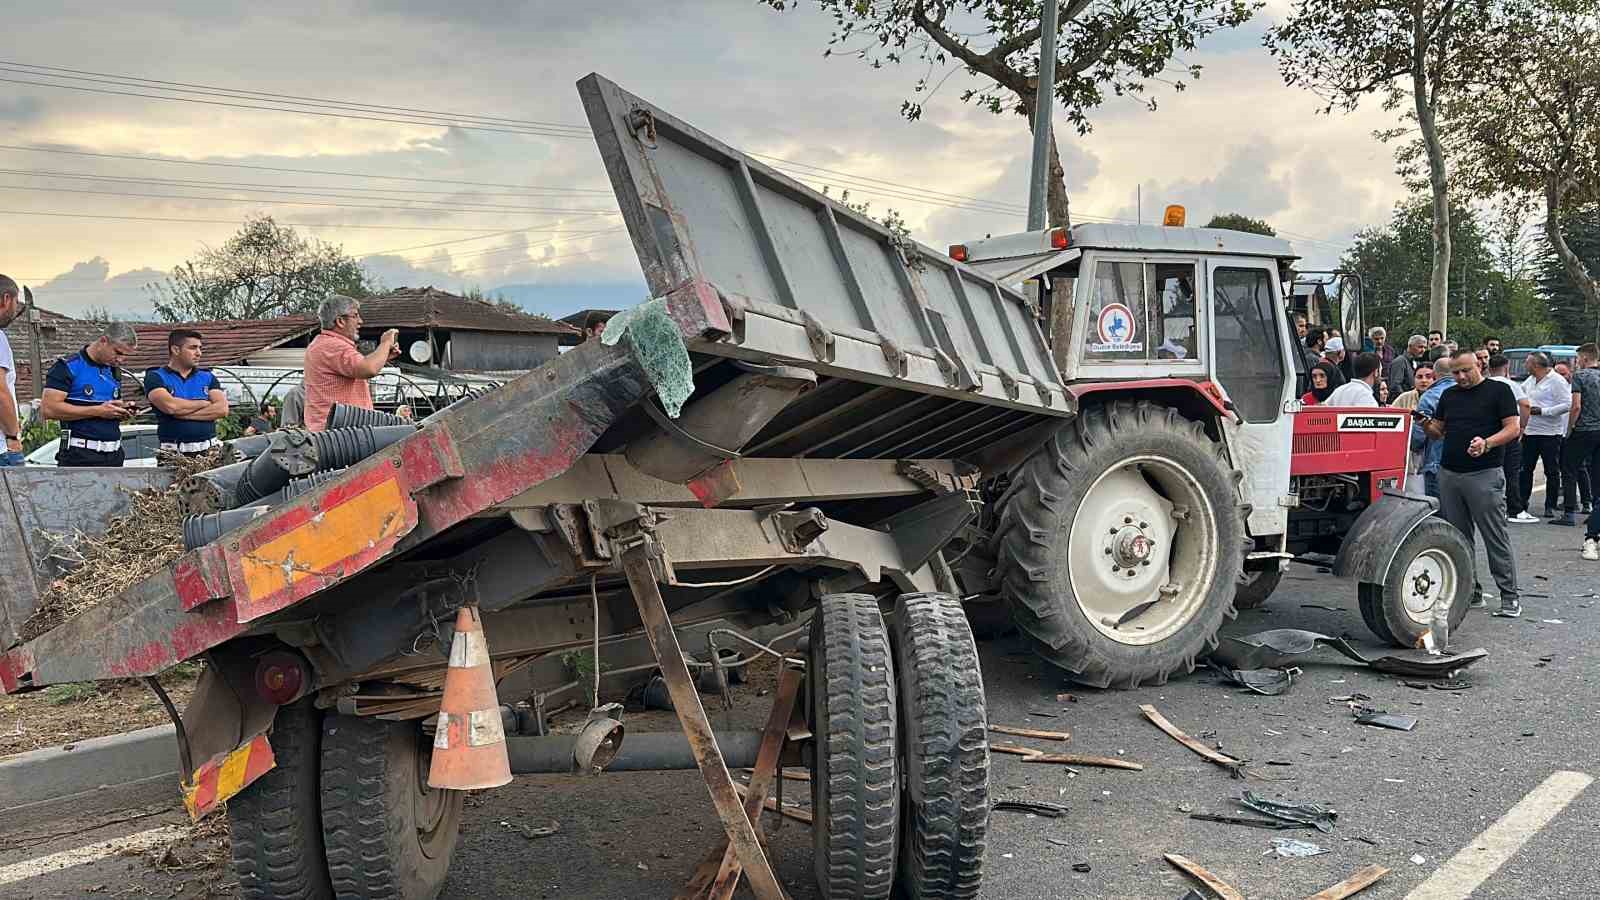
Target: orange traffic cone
x=469, y=747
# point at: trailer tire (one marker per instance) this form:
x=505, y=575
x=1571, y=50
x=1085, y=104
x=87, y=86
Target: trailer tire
x=855, y=780
x=944, y=749
x=387, y=834
x=277, y=841
x=1255, y=587
x=1124, y=456
x=1433, y=561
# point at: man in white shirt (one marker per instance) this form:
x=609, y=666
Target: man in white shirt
x=1359, y=390
x=1516, y=503
x=1549, y=399
x=10, y=421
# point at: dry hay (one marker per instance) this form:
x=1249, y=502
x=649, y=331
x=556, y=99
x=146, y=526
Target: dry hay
x=136, y=544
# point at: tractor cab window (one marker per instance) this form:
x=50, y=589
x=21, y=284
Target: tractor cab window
x=1115, y=330
x=1249, y=349
x=1174, y=325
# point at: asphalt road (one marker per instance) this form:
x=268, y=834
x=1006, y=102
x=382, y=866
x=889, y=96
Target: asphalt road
x=1429, y=793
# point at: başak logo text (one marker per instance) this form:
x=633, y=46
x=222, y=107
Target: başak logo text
x=1371, y=422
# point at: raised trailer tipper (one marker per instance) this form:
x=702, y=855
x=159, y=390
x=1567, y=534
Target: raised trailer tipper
x=779, y=444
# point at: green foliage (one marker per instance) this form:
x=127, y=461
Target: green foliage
x=1395, y=262
x=891, y=219
x=72, y=692
x=264, y=271
x=1113, y=48
x=1577, y=320
x=231, y=425
x=580, y=666
x=1241, y=222
x=38, y=433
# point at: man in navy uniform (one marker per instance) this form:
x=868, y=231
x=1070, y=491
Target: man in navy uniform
x=84, y=392
x=188, y=399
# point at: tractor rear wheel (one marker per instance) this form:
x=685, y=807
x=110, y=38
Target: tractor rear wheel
x=1433, y=564
x=1120, y=545
x=386, y=832
x=855, y=777
x=1255, y=587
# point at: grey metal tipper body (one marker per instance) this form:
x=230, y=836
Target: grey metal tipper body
x=809, y=281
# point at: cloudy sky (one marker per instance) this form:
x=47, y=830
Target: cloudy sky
x=531, y=213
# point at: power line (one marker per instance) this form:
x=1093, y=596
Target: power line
x=269, y=202
x=320, y=101
x=13, y=212
x=281, y=109
x=223, y=165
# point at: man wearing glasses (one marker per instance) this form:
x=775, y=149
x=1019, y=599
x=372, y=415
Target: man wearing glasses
x=336, y=372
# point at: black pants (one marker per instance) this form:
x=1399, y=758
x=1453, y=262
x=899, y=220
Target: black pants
x=78, y=458
x=1546, y=447
x=1578, y=460
x=1516, y=501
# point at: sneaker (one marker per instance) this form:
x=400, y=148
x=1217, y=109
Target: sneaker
x=1591, y=548
x=1512, y=611
x=1588, y=508
x=1522, y=518
x=1567, y=519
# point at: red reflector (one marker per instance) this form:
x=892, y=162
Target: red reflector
x=280, y=678
x=1059, y=238
x=958, y=252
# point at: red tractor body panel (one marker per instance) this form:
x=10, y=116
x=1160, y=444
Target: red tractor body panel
x=1372, y=441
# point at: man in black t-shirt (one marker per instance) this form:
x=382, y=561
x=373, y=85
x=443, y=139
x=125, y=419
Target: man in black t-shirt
x=1476, y=420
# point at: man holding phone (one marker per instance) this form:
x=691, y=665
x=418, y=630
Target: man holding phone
x=84, y=393
x=336, y=372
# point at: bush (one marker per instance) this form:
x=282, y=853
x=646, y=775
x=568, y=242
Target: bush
x=38, y=433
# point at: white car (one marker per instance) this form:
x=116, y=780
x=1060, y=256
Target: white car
x=139, y=445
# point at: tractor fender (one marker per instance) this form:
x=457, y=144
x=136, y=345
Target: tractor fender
x=1367, y=552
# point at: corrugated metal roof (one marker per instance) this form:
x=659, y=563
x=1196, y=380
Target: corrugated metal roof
x=227, y=341
x=429, y=307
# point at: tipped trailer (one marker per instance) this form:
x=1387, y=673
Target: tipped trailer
x=775, y=449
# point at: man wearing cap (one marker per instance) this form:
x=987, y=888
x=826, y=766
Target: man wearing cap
x=1333, y=352
x=188, y=399
x=84, y=392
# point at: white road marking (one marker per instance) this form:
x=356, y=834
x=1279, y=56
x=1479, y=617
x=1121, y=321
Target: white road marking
x=1486, y=853
x=66, y=859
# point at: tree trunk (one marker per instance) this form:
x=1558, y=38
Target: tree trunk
x=1058, y=209
x=1576, y=271
x=1439, y=284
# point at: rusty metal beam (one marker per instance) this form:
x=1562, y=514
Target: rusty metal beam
x=638, y=564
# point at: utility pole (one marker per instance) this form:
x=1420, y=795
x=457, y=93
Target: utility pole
x=1044, y=97
x=36, y=342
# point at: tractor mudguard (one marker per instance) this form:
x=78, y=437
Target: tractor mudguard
x=1368, y=550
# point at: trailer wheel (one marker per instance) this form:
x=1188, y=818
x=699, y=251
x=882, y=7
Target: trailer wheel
x=277, y=844
x=386, y=832
x=1255, y=587
x=1434, y=562
x=1120, y=545
x=855, y=779
x=944, y=749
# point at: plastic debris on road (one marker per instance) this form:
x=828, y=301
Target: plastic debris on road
x=1289, y=848
x=1320, y=817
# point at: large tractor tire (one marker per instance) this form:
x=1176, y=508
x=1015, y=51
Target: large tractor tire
x=387, y=834
x=855, y=777
x=1120, y=545
x=275, y=822
x=1255, y=587
x=1433, y=563
x=944, y=743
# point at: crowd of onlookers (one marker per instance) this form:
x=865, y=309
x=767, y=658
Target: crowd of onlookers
x=1551, y=419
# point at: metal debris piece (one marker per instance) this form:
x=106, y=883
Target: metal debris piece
x=1058, y=842
x=1037, y=807
x=532, y=834
x=1270, y=682
x=1378, y=718
x=1194, y=870
x=1279, y=647
x=1289, y=848
x=1418, y=859
x=1320, y=817
x=1353, y=885
x=1417, y=685
x=1347, y=698
x=1321, y=606
x=1081, y=868
x=1269, y=824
